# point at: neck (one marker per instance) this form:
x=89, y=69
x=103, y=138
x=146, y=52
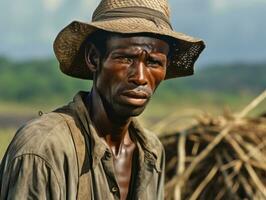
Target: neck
x=109, y=126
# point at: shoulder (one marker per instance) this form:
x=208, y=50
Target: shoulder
x=47, y=137
x=19, y=179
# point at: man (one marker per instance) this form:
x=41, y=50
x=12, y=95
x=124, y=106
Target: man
x=93, y=148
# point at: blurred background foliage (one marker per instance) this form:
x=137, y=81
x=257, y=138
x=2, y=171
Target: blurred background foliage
x=33, y=82
x=40, y=81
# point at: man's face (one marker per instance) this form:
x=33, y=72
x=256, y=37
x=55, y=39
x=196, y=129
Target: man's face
x=130, y=72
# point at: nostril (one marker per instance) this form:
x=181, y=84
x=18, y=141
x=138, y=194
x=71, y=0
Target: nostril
x=138, y=78
x=139, y=81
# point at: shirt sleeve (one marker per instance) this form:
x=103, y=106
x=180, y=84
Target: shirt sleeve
x=29, y=177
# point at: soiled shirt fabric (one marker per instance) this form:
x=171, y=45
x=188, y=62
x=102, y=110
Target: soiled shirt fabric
x=60, y=156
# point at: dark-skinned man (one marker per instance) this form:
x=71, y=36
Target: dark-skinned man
x=94, y=148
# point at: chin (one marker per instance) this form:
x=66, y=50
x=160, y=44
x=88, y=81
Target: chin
x=129, y=111
x=136, y=112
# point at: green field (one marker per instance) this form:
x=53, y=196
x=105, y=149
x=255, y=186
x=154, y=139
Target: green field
x=5, y=137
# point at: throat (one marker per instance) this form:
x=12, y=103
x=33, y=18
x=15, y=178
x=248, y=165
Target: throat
x=123, y=168
x=118, y=143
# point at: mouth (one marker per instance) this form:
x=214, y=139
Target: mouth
x=136, y=98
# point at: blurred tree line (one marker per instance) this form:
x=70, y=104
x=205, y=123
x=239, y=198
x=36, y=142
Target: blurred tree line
x=36, y=80
x=42, y=81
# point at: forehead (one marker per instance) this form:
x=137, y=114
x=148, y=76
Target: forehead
x=149, y=43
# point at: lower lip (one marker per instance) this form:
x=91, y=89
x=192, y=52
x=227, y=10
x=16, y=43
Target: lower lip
x=134, y=101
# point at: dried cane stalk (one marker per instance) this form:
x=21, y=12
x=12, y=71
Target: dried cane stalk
x=203, y=184
x=221, y=135
x=181, y=164
x=256, y=180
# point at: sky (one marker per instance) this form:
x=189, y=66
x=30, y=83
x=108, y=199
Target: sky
x=233, y=30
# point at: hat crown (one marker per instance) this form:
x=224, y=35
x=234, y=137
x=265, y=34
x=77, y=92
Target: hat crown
x=107, y=5
x=127, y=17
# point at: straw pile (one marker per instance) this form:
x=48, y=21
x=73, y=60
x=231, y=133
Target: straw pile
x=219, y=158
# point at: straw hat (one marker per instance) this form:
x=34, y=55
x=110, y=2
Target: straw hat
x=126, y=16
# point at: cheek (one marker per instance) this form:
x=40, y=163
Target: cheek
x=110, y=78
x=157, y=75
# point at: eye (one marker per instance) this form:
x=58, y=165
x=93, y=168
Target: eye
x=154, y=63
x=124, y=59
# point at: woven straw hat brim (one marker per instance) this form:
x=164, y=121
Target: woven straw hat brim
x=70, y=51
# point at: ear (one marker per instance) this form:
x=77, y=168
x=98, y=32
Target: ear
x=92, y=57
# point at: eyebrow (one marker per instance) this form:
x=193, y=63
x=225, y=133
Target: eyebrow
x=134, y=55
x=132, y=45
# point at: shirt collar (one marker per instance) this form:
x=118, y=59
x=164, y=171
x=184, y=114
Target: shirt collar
x=98, y=148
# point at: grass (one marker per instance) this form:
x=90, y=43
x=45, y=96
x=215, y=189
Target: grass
x=17, y=108
x=6, y=136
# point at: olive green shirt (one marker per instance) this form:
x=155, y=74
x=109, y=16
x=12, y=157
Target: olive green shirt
x=60, y=156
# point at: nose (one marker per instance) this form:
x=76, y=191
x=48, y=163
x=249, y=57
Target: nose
x=138, y=75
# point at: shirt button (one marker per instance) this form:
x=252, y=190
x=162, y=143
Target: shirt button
x=114, y=189
x=108, y=155
x=149, y=156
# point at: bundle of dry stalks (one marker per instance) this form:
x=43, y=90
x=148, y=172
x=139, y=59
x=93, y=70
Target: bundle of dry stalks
x=219, y=158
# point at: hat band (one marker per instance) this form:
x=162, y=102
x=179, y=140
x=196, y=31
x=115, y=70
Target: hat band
x=135, y=11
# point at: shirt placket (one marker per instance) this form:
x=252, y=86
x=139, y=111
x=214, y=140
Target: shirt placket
x=145, y=173
x=107, y=162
